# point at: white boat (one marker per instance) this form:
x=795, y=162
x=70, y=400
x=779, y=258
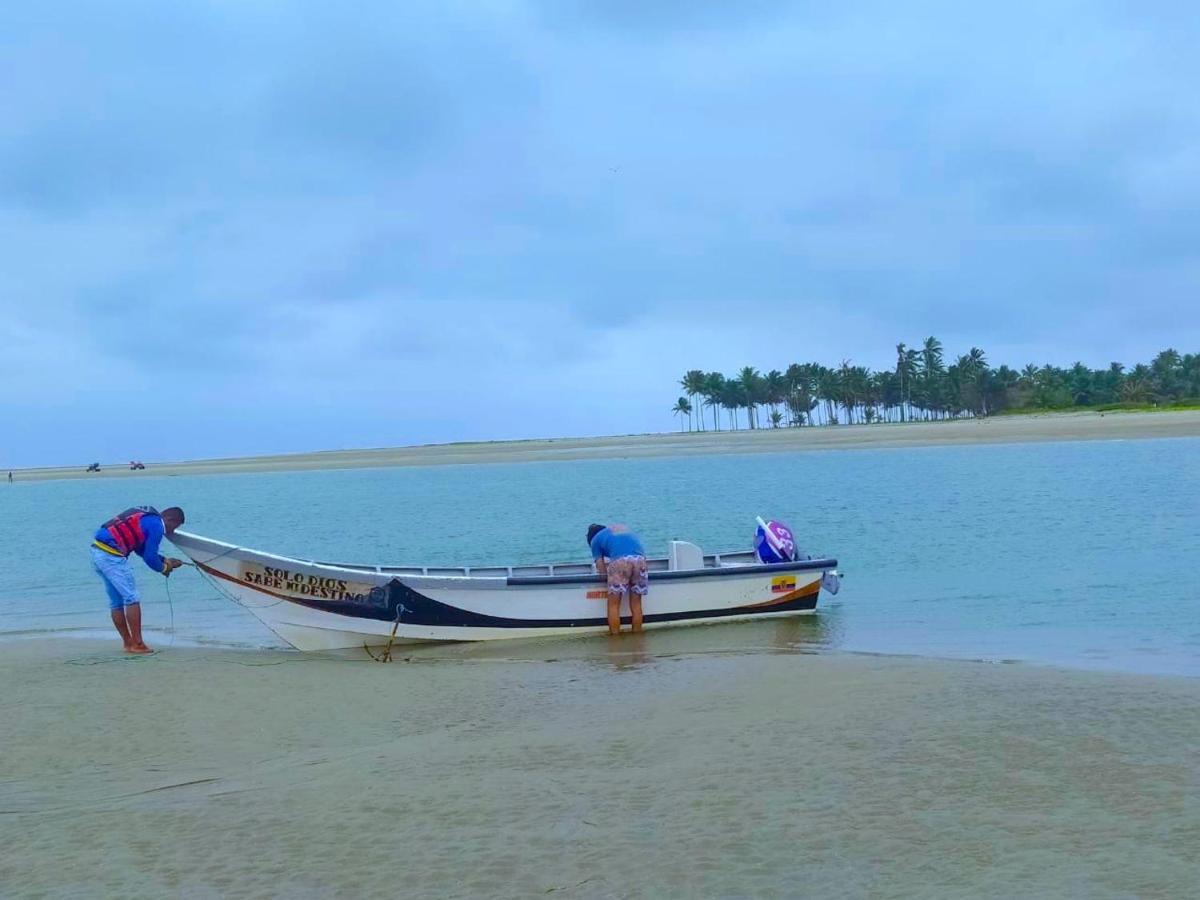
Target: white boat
x=322, y=606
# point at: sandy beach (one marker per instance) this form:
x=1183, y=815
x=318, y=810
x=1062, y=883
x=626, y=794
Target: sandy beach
x=591, y=769
x=1087, y=426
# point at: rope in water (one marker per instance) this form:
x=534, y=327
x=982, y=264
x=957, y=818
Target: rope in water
x=171, y=605
x=206, y=577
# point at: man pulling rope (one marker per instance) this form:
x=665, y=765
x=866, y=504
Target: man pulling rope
x=137, y=530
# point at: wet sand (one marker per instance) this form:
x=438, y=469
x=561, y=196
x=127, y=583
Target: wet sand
x=651, y=767
x=1003, y=429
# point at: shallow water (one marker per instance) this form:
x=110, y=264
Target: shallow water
x=1077, y=554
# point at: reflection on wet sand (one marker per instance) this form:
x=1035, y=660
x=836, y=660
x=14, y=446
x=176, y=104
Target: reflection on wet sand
x=798, y=634
x=805, y=634
x=626, y=651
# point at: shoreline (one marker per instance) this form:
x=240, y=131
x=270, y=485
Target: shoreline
x=1049, y=427
x=102, y=641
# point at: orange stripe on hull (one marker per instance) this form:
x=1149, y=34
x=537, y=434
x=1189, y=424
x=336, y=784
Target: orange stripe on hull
x=809, y=590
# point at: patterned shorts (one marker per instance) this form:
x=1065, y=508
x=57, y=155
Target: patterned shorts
x=628, y=573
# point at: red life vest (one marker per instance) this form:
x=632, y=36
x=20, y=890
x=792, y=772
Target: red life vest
x=126, y=528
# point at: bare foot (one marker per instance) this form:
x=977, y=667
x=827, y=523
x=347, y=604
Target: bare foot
x=139, y=648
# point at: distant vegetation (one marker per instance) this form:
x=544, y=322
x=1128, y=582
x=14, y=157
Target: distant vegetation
x=923, y=387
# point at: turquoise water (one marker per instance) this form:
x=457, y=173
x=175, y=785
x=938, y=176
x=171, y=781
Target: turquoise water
x=1076, y=554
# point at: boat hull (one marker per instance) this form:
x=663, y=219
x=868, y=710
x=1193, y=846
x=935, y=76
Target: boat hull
x=315, y=606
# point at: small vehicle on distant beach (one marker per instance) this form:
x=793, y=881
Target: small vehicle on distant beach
x=94, y=467
x=135, y=466
x=324, y=606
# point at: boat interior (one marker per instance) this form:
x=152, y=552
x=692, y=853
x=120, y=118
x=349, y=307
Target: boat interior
x=682, y=556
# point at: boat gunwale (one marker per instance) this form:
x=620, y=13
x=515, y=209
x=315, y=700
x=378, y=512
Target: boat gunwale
x=444, y=572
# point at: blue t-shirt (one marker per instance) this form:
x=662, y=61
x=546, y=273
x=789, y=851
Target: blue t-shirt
x=616, y=541
x=152, y=528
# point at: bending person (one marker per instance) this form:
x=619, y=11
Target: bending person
x=621, y=559
x=138, y=530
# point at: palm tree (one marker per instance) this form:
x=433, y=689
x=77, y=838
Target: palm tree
x=733, y=398
x=1108, y=382
x=885, y=393
x=683, y=408
x=910, y=367
x=979, y=372
x=693, y=385
x=931, y=370
x=1080, y=384
x=922, y=386
x=774, y=389
x=827, y=390
x=1166, y=373
x=853, y=388
x=902, y=369
x=1002, y=384
x=751, y=383
x=714, y=389
x=931, y=354
x=1136, y=387
x=1190, y=364
x=799, y=383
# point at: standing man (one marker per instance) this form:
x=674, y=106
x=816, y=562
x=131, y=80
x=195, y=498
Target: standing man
x=621, y=559
x=138, y=530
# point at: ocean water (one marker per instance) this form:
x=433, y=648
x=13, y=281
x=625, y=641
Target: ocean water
x=1074, y=554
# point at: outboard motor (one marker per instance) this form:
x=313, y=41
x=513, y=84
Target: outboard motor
x=774, y=543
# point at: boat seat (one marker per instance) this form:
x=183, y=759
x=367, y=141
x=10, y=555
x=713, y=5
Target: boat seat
x=684, y=556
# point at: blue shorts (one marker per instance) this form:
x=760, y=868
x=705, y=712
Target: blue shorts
x=118, y=580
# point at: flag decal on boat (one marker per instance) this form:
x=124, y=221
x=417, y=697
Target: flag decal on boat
x=783, y=584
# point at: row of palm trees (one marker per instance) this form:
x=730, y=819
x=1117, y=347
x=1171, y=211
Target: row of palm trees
x=923, y=386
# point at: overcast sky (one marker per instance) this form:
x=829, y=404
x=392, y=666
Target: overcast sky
x=244, y=227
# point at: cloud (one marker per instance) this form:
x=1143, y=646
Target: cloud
x=481, y=215
x=664, y=17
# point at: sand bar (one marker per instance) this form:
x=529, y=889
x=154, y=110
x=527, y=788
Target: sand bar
x=1002, y=429
x=591, y=769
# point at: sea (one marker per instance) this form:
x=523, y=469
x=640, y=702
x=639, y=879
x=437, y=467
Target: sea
x=1075, y=554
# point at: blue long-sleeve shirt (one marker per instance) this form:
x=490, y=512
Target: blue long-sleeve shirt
x=616, y=541
x=152, y=528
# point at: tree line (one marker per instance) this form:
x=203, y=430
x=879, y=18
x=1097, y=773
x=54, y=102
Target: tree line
x=924, y=387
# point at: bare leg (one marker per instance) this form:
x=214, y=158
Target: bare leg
x=635, y=609
x=118, y=619
x=614, y=613
x=133, y=617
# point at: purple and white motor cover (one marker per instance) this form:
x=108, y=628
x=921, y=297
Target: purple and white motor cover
x=774, y=542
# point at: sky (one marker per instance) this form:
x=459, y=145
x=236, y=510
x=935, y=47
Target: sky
x=249, y=227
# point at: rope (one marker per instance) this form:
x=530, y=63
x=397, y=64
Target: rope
x=206, y=577
x=227, y=595
x=217, y=585
x=385, y=656
x=171, y=605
